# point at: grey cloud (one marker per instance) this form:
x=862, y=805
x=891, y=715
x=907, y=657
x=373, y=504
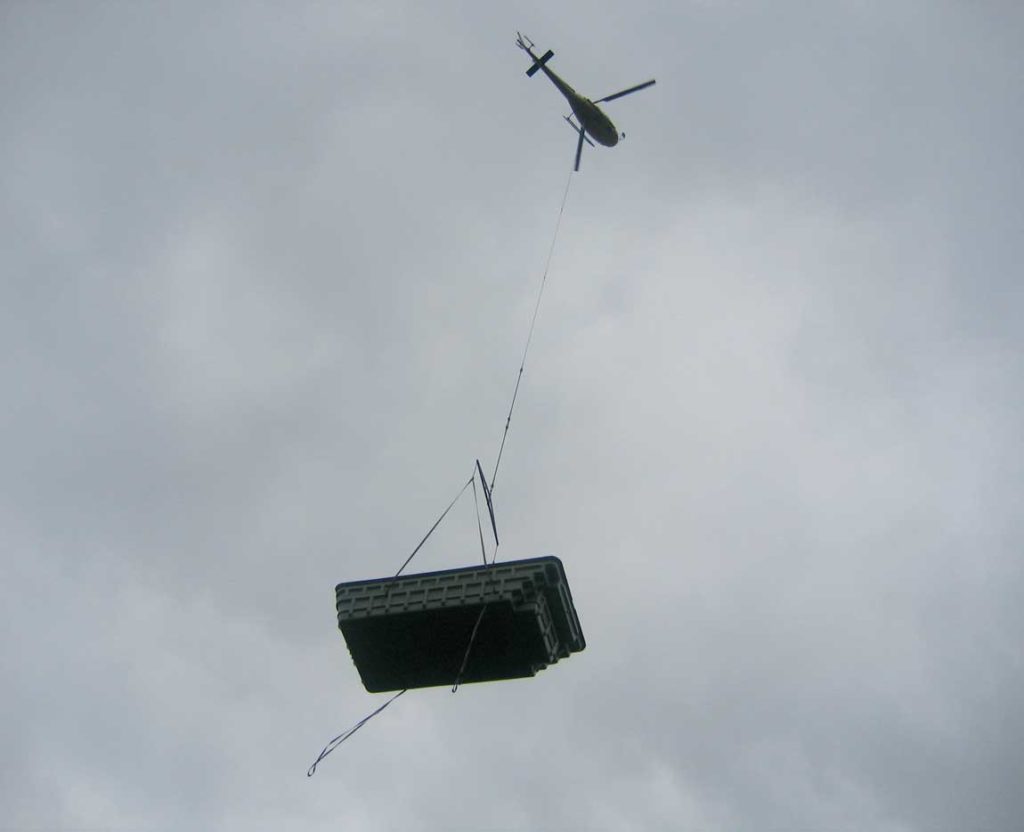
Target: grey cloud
x=268, y=278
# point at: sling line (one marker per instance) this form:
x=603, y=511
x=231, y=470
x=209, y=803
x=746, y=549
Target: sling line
x=490, y=582
x=489, y=490
x=533, y=323
x=437, y=523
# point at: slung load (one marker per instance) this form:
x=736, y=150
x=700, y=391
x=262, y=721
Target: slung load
x=475, y=624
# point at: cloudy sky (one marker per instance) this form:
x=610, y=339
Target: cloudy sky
x=267, y=273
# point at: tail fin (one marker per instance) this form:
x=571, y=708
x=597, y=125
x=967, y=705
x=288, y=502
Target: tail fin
x=523, y=42
x=539, y=62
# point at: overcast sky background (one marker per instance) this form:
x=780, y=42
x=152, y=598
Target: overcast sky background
x=267, y=273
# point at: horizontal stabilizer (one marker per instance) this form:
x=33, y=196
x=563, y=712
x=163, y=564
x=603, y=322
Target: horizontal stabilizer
x=543, y=59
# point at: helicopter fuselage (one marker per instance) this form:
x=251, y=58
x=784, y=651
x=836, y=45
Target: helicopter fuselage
x=593, y=119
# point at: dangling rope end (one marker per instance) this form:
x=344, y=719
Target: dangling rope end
x=338, y=740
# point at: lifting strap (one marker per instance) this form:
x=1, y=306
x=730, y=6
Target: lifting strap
x=344, y=735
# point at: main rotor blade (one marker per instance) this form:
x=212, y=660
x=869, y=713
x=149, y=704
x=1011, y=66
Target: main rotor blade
x=579, y=149
x=637, y=88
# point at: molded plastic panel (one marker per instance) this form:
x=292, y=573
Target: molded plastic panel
x=413, y=631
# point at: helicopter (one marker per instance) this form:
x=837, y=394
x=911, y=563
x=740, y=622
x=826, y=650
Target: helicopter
x=591, y=119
